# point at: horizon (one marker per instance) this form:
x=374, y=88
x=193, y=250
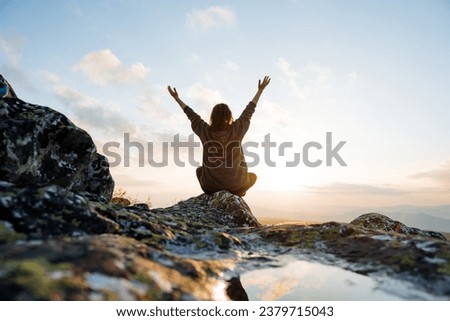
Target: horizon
x=374, y=74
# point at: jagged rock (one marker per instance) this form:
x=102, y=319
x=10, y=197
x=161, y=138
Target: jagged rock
x=377, y=221
x=83, y=247
x=421, y=259
x=6, y=90
x=103, y=267
x=42, y=212
x=40, y=146
x=219, y=209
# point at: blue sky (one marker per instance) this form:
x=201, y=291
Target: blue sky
x=374, y=73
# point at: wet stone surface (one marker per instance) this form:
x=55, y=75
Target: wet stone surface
x=86, y=248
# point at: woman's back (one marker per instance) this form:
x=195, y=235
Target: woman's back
x=224, y=166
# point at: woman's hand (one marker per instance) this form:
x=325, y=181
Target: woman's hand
x=261, y=86
x=173, y=92
x=264, y=83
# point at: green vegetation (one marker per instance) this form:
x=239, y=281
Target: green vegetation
x=8, y=235
x=33, y=276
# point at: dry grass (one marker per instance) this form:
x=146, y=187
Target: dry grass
x=121, y=197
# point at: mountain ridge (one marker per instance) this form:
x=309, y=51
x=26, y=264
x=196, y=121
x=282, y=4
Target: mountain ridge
x=415, y=216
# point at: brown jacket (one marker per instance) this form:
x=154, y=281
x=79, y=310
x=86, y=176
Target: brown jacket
x=224, y=166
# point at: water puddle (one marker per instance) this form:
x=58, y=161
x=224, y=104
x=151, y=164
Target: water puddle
x=308, y=281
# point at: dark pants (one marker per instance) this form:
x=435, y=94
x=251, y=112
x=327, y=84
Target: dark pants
x=251, y=176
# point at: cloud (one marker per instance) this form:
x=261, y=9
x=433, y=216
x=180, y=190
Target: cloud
x=92, y=113
x=230, y=65
x=104, y=68
x=10, y=67
x=49, y=76
x=278, y=115
x=290, y=77
x=151, y=104
x=205, y=97
x=210, y=18
x=315, y=78
x=320, y=74
x=150, y=101
x=352, y=78
x=11, y=48
x=354, y=189
x=440, y=175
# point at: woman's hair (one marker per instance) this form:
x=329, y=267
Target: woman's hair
x=221, y=117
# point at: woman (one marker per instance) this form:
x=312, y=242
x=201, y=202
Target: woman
x=224, y=166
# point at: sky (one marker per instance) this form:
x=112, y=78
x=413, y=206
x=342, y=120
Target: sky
x=374, y=75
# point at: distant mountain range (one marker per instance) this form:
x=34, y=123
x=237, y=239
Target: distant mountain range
x=434, y=218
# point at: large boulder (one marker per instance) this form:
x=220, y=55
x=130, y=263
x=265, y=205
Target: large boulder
x=376, y=221
x=56, y=244
x=40, y=146
x=218, y=209
x=43, y=212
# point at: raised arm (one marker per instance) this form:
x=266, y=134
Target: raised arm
x=173, y=92
x=261, y=86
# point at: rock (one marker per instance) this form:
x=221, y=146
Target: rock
x=103, y=267
x=421, y=259
x=6, y=90
x=83, y=248
x=219, y=209
x=40, y=146
x=77, y=248
x=42, y=212
x=377, y=221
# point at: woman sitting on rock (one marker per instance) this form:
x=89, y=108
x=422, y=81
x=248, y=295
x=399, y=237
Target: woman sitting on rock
x=224, y=166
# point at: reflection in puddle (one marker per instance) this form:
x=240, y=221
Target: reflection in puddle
x=301, y=280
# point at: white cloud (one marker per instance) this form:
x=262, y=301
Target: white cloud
x=151, y=104
x=210, y=17
x=352, y=78
x=355, y=189
x=290, y=77
x=93, y=115
x=278, y=115
x=103, y=68
x=10, y=67
x=11, y=48
x=51, y=77
x=314, y=78
x=205, y=97
x=440, y=175
x=232, y=65
x=321, y=73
